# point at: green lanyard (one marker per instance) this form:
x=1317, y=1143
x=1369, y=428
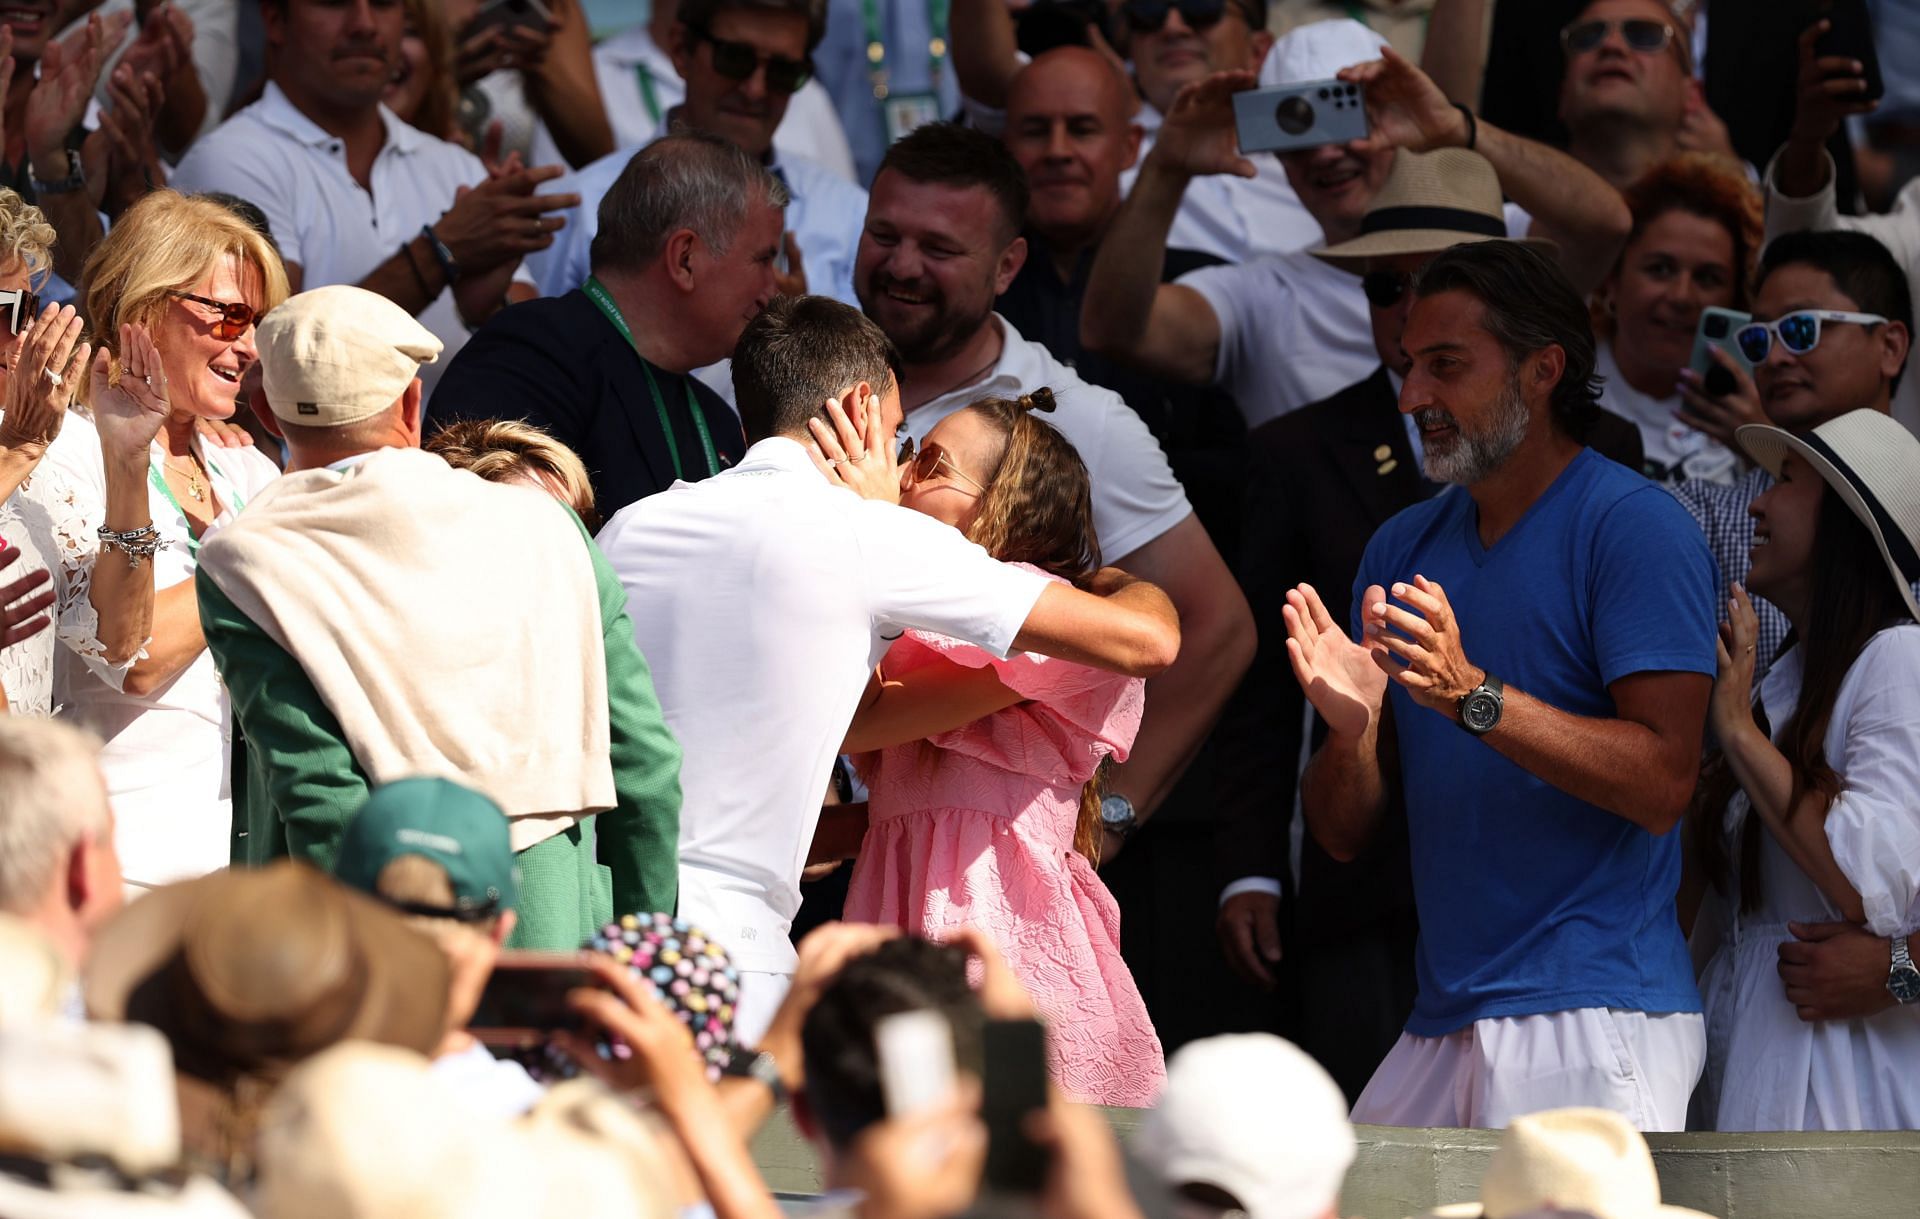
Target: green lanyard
x=648, y=97
x=160, y=484
x=877, y=44
x=601, y=297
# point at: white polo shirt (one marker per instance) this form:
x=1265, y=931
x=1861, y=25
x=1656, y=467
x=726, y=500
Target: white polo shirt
x=761, y=598
x=283, y=162
x=1136, y=498
x=810, y=129
x=825, y=216
x=1293, y=329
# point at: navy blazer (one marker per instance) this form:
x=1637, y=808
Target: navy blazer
x=558, y=363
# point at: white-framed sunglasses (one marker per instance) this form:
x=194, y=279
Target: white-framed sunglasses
x=19, y=306
x=1798, y=332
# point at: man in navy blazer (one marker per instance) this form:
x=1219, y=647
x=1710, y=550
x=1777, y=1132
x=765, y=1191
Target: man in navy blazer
x=684, y=259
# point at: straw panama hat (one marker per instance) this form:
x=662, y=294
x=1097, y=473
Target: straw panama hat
x=1873, y=461
x=1429, y=202
x=1586, y=1161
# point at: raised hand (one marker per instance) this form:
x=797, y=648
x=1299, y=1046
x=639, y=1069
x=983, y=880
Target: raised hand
x=1405, y=109
x=1198, y=136
x=129, y=412
x=857, y=458
x=69, y=72
x=793, y=280
x=122, y=157
x=22, y=611
x=1719, y=417
x=1339, y=676
x=1831, y=88
x=1731, y=709
x=1421, y=650
x=47, y=364
x=502, y=219
x=1701, y=129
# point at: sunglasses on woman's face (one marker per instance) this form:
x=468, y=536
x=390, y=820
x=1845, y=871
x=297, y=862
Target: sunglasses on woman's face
x=1642, y=34
x=1147, y=16
x=19, y=307
x=1798, y=332
x=740, y=60
x=236, y=317
x=924, y=466
x=1385, y=288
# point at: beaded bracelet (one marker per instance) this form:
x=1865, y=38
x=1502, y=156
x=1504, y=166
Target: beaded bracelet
x=136, y=544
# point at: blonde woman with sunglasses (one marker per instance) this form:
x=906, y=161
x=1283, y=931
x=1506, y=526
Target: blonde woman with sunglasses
x=985, y=774
x=124, y=498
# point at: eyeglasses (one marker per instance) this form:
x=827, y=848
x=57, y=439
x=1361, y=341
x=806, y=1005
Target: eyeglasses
x=1798, y=332
x=1147, y=16
x=925, y=465
x=236, y=317
x=1642, y=34
x=19, y=307
x=740, y=60
x=1385, y=288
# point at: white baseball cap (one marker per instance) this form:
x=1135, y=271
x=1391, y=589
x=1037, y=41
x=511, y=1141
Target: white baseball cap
x=1318, y=52
x=339, y=354
x=1253, y=1115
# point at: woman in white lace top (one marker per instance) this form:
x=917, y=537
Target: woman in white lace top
x=36, y=404
x=124, y=499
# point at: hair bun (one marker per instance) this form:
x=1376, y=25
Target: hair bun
x=1039, y=400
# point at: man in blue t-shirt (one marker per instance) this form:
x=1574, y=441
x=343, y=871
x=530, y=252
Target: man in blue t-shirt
x=1542, y=777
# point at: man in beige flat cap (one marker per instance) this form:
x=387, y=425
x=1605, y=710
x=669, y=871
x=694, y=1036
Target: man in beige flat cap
x=325, y=608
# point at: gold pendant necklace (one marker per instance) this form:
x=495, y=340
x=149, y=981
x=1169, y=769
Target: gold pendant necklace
x=194, y=487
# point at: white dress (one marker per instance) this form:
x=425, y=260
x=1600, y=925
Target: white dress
x=1768, y=1069
x=167, y=753
x=26, y=668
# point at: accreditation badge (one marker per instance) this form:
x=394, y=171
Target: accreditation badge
x=906, y=111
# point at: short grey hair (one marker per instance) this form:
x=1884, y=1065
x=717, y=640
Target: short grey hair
x=51, y=793
x=686, y=180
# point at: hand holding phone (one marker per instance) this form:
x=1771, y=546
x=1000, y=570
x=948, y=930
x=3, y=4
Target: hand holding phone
x=1013, y=1091
x=1717, y=328
x=525, y=1000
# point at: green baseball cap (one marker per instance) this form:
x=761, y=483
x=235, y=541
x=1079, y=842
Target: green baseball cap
x=454, y=826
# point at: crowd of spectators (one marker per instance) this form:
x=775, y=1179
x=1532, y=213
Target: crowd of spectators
x=564, y=589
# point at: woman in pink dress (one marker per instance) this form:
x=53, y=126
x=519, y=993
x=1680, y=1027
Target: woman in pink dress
x=984, y=774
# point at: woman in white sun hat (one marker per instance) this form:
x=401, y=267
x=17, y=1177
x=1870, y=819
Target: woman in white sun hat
x=1811, y=811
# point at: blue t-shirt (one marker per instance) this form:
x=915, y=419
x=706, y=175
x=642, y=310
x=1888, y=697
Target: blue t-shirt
x=1531, y=900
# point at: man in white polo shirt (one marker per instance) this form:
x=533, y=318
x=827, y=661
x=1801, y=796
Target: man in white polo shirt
x=762, y=598
x=354, y=195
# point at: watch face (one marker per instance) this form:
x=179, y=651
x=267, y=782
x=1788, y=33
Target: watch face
x=1117, y=812
x=1480, y=712
x=1904, y=984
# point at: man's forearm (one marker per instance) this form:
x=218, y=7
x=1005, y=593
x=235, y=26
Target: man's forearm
x=575, y=114
x=182, y=111
x=1127, y=271
x=985, y=50
x=411, y=278
x=1574, y=205
x=1343, y=792
x=1619, y=765
x=1455, y=54
x=76, y=227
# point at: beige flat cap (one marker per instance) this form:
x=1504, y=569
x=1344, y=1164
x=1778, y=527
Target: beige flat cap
x=340, y=354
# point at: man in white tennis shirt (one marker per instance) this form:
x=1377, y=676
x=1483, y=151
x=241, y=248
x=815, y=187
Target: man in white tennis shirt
x=762, y=598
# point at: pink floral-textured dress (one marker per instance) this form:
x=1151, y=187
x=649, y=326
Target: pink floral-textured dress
x=974, y=827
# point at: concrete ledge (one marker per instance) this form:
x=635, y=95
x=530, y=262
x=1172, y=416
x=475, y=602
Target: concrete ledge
x=1402, y=1171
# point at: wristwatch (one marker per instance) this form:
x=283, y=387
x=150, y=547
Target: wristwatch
x=1903, y=980
x=1479, y=708
x=1117, y=815
x=762, y=1069
x=76, y=178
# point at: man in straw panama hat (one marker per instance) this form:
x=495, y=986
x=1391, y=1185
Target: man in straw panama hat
x=1285, y=330
x=1569, y=1162
x=1308, y=472
x=1534, y=657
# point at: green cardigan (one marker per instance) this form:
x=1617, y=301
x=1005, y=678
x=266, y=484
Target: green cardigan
x=304, y=784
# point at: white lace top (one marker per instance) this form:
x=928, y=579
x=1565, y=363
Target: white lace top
x=167, y=753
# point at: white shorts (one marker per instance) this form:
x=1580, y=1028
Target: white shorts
x=760, y=997
x=1640, y=1066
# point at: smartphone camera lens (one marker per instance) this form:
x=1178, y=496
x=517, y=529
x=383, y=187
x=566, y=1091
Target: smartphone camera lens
x=1294, y=115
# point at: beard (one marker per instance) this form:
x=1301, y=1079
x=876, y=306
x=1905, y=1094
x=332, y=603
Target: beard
x=924, y=334
x=1470, y=455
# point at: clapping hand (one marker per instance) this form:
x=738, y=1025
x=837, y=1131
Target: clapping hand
x=22, y=619
x=793, y=280
x=129, y=412
x=1405, y=109
x=1731, y=709
x=859, y=459
x=1198, y=135
x=1420, y=649
x=1339, y=676
x=47, y=364
x=69, y=71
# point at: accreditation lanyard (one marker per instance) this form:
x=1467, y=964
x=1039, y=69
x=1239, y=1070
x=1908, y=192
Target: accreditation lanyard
x=601, y=297
x=648, y=97
x=877, y=44
x=160, y=484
